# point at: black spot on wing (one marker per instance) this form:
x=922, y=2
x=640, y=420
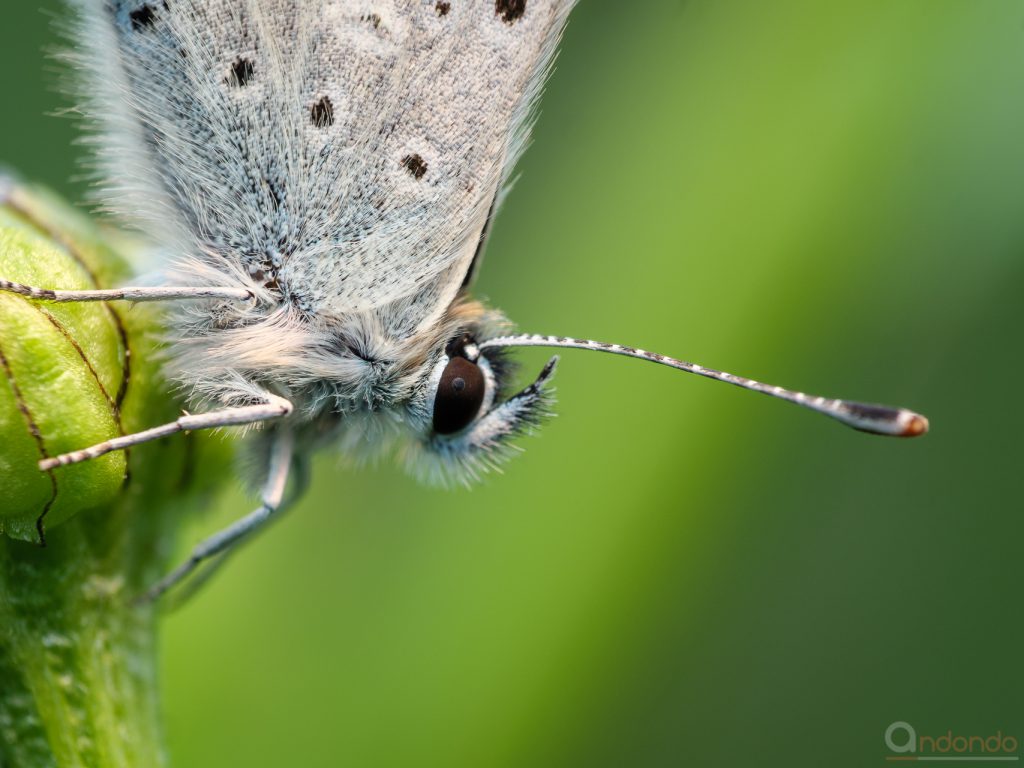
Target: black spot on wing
x=322, y=113
x=509, y=10
x=415, y=165
x=242, y=71
x=442, y=8
x=143, y=17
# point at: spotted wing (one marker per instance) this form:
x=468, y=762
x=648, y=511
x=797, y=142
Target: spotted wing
x=345, y=152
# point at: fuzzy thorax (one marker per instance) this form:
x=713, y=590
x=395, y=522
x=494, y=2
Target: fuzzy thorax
x=229, y=353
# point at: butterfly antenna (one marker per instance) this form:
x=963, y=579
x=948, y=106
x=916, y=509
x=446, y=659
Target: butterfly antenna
x=866, y=417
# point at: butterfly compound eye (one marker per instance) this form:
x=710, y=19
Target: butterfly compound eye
x=460, y=393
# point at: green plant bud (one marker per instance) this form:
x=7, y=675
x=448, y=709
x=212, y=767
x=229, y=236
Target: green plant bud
x=65, y=369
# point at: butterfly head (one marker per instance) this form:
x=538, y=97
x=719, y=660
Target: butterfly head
x=447, y=401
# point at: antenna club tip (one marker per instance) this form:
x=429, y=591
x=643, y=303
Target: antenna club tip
x=913, y=424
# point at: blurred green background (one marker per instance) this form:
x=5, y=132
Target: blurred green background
x=822, y=195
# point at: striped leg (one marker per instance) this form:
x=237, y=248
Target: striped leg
x=160, y=293
x=274, y=408
x=221, y=542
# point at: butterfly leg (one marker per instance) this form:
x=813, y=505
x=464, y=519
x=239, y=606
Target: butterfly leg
x=156, y=293
x=299, y=483
x=221, y=542
x=273, y=407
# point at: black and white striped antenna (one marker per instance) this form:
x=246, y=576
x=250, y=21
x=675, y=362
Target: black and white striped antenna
x=867, y=417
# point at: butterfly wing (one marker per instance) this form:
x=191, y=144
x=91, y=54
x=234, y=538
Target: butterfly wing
x=345, y=152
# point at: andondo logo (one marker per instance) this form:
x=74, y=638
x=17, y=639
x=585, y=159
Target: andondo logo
x=903, y=740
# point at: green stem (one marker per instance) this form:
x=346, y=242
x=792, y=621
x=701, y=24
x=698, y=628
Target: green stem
x=77, y=657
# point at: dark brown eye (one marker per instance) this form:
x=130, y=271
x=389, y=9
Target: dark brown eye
x=460, y=394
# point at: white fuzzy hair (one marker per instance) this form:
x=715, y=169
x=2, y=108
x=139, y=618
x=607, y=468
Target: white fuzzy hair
x=339, y=159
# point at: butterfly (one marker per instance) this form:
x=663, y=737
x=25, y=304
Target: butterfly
x=320, y=179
